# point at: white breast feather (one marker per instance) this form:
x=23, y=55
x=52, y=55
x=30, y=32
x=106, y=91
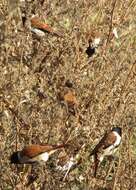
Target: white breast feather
x=44, y=156
x=118, y=138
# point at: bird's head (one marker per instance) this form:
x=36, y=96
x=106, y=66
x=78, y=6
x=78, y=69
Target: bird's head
x=118, y=130
x=14, y=158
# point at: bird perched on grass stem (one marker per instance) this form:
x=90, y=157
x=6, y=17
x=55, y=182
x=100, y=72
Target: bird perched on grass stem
x=106, y=146
x=34, y=153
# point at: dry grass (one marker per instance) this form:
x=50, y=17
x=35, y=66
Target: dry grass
x=34, y=71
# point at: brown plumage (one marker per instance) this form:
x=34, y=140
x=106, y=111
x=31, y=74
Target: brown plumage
x=37, y=23
x=107, y=140
x=34, y=153
x=106, y=146
x=34, y=150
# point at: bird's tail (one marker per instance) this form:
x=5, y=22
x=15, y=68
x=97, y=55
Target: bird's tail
x=60, y=146
x=57, y=147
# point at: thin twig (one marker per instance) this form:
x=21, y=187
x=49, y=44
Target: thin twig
x=111, y=22
x=15, y=113
x=123, y=89
x=126, y=11
x=115, y=179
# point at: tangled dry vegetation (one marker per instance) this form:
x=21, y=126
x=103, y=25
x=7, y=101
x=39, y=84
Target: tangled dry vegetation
x=41, y=75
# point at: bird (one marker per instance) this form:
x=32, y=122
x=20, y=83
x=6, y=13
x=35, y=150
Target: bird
x=107, y=146
x=34, y=153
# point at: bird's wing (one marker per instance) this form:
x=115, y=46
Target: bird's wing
x=107, y=140
x=34, y=150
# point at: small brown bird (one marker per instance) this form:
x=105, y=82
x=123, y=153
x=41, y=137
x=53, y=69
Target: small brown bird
x=36, y=23
x=107, y=146
x=34, y=153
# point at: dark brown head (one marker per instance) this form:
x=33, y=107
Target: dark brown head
x=14, y=158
